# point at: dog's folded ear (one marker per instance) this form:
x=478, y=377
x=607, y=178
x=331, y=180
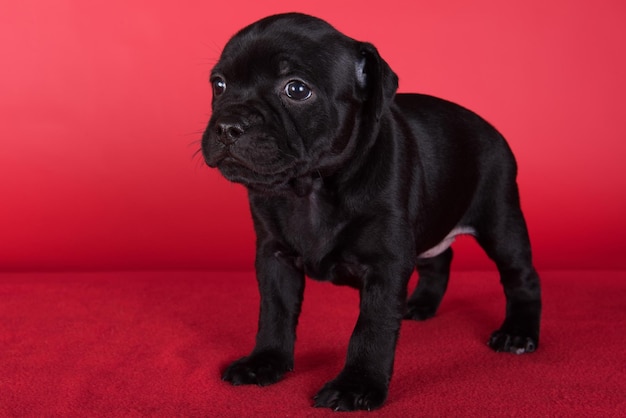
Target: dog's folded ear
x=376, y=79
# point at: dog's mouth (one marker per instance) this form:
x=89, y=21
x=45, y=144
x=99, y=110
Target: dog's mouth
x=233, y=170
x=255, y=172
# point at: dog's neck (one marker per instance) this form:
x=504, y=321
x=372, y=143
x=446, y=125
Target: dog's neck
x=304, y=185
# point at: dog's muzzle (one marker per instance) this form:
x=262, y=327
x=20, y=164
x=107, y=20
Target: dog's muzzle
x=229, y=130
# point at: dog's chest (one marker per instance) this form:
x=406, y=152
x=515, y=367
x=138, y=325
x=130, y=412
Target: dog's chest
x=314, y=224
x=320, y=214
x=314, y=227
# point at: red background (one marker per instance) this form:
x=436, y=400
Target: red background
x=102, y=105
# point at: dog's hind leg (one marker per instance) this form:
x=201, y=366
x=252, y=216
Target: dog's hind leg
x=432, y=284
x=502, y=233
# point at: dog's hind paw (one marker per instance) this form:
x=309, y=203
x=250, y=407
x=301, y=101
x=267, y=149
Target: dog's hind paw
x=504, y=342
x=351, y=393
x=263, y=368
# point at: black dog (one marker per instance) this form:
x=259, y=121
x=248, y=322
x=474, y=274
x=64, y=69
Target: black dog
x=354, y=184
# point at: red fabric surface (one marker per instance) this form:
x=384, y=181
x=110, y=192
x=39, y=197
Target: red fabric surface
x=153, y=344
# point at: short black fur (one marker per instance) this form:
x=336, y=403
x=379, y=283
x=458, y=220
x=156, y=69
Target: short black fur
x=358, y=185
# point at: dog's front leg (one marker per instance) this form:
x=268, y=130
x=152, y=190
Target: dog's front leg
x=281, y=286
x=364, y=381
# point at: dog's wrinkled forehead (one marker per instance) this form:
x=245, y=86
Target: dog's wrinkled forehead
x=287, y=45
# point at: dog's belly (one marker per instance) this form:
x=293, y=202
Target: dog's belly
x=340, y=273
x=348, y=271
x=447, y=241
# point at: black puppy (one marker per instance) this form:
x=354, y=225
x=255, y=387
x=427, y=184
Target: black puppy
x=354, y=184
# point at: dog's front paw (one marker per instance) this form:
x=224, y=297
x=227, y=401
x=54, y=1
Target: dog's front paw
x=350, y=392
x=502, y=341
x=263, y=368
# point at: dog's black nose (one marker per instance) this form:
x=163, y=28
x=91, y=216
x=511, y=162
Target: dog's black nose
x=228, y=132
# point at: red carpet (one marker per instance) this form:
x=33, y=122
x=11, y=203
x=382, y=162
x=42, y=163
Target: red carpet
x=153, y=344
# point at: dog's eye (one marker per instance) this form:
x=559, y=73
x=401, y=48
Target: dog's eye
x=219, y=86
x=297, y=90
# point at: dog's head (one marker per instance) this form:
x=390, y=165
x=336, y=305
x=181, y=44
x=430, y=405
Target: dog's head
x=293, y=98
